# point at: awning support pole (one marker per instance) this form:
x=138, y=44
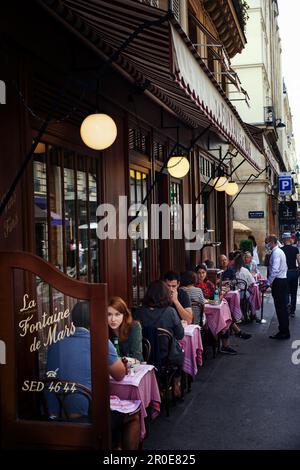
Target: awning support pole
x=245, y=184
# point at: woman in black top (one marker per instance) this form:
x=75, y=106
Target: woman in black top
x=157, y=312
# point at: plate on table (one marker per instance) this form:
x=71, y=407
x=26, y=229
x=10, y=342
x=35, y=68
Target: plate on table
x=132, y=361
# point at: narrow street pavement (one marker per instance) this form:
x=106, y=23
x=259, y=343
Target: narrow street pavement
x=248, y=401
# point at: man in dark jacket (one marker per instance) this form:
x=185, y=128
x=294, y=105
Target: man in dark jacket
x=293, y=262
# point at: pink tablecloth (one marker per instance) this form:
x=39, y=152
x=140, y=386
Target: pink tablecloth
x=218, y=317
x=142, y=386
x=255, y=298
x=233, y=299
x=193, y=349
x=124, y=406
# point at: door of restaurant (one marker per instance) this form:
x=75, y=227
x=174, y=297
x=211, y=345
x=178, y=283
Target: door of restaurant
x=40, y=406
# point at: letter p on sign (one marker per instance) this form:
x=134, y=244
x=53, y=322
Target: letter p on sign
x=285, y=185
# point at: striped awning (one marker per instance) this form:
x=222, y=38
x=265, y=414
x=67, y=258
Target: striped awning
x=154, y=60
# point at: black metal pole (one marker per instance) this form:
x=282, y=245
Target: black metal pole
x=245, y=184
x=22, y=169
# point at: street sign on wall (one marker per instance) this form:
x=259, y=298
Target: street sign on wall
x=256, y=214
x=285, y=184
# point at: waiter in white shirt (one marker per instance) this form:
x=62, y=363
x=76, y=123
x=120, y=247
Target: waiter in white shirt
x=277, y=279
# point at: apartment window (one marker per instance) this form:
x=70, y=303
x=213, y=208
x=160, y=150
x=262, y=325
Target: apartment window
x=65, y=202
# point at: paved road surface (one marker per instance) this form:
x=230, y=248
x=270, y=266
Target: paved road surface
x=248, y=401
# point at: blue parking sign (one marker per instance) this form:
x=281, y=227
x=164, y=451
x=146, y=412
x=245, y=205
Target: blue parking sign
x=285, y=184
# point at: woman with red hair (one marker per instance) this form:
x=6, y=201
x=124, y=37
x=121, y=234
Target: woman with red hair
x=123, y=328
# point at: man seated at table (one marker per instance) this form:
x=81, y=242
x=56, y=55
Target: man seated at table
x=228, y=271
x=72, y=357
x=208, y=289
x=180, y=299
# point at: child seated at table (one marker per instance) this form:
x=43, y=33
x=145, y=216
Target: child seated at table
x=71, y=357
x=123, y=330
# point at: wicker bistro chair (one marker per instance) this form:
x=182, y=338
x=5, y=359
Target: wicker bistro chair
x=62, y=391
x=167, y=371
x=245, y=305
x=208, y=340
x=146, y=349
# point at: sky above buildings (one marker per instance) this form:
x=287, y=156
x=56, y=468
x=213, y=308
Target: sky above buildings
x=289, y=14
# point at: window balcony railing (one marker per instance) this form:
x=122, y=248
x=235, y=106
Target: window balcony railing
x=152, y=3
x=269, y=116
x=213, y=52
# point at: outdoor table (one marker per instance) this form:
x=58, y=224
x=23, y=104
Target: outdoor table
x=255, y=298
x=141, y=386
x=234, y=301
x=218, y=317
x=258, y=276
x=193, y=349
x=124, y=406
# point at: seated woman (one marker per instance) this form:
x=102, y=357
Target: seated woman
x=156, y=312
x=208, y=289
x=250, y=264
x=187, y=283
x=123, y=328
x=241, y=272
x=72, y=359
x=203, y=283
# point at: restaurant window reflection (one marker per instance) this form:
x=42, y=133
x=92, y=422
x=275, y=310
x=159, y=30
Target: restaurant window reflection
x=52, y=340
x=176, y=220
x=139, y=244
x=65, y=203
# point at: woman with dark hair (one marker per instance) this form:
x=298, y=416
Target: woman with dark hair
x=203, y=283
x=187, y=283
x=254, y=249
x=157, y=312
x=122, y=328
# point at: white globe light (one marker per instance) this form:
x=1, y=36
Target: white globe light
x=40, y=148
x=98, y=131
x=178, y=167
x=231, y=188
x=220, y=183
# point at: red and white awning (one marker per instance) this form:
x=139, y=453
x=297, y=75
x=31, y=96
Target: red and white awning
x=162, y=58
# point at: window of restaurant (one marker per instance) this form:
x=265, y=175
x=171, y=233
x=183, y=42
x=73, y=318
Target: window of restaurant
x=140, y=256
x=65, y=202
x=177, y=238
